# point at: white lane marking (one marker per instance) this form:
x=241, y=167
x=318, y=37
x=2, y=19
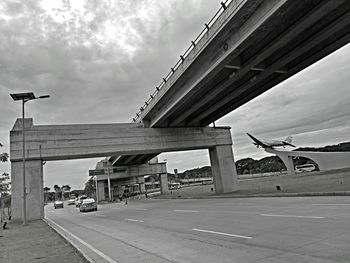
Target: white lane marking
x=293, y=216
x=142, y=209
x=330, y=204
x=133, y=220
x=187, y=211
x=100, y=215
x=220, y=233
x=98, y=252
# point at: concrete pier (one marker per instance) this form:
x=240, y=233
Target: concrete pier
x=223, y=169
x=164, y=189
x=34, y=190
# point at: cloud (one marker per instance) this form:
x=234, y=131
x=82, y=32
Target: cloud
x=98, y=60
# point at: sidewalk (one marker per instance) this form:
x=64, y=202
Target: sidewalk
x=36, y=242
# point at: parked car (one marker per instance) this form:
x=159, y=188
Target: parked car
x=305, y=168
x=58, y=204
x=80, y=200
x=71, y=201
x=88, y=204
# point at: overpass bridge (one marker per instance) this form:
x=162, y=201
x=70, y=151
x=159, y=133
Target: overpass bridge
x=251, y=46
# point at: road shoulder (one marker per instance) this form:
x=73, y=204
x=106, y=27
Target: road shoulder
x=36, y=242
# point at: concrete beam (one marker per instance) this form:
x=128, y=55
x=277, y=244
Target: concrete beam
x=60, y=142
x=244, y=94
x=254, y=69
x=280, y=63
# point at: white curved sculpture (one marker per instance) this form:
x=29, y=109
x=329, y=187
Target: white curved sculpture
x=325, y=160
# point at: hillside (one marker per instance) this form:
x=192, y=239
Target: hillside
x=341, y=147
x=264, y=165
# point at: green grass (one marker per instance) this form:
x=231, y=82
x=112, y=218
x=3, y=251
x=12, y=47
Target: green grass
x=330, y=181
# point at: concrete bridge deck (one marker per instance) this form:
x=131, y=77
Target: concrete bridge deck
x=253, y=46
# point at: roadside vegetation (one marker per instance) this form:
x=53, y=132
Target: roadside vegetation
x=65, y=192
x=5, y=196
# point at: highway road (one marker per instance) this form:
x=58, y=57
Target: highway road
x=298, y=229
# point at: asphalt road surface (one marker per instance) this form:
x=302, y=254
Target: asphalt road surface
x=298, y=229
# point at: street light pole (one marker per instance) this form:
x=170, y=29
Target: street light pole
x=24, y=97
x=24, y=203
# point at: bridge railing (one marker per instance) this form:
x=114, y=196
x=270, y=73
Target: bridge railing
x=207, y=27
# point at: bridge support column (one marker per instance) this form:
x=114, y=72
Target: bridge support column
x=164, y=186
x=34, y=190
x=141, y=182
x=101, y=191
x=109, y=188
x=223, y=169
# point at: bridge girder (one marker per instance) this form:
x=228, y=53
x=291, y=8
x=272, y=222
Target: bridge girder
x=253, y=46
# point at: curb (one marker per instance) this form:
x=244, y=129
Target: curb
x=306, y=194
x=51, y=224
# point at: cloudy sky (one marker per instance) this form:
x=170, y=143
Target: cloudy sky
x=100, y=60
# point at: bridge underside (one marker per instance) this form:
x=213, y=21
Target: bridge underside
x=253, y=46
x=132, y=159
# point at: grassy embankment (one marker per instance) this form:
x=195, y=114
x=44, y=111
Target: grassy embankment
x=330, y=181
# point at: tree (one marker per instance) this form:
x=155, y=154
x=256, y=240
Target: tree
x=4, y=191
x=90, y=189
x=4, y=183
x=58, y=191
x=4, y=157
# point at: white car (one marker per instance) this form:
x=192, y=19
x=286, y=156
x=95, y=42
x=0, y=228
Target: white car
x=58, y=204
x=305, y=168
x=88, y=204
